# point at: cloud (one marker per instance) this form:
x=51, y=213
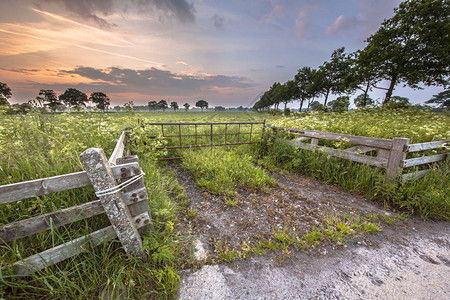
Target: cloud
x=218, y=21
x=182, y=63
x=154, y=81
x=275, y=13
x=343, y=23
x=180, y=9
x=90, y=10
x=85, y=9
x=303, y=19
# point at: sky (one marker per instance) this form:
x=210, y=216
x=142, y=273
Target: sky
x=225, y=52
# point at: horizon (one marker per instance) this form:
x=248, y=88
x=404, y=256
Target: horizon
x=177, y=50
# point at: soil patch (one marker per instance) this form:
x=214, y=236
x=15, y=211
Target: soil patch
x=409, y=260
x=297, y=203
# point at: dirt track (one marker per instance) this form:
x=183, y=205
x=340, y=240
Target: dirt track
x=410, y=260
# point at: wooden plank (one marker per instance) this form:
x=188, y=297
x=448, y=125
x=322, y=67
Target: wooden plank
x=118, y=150
x=301, y=138
x=360, y=149
x=354, y=139
x=137, y=189
x=135, y=196
x=415, y=175
x=23, y=228
x=422, y=160
x=396, y=156
x=33, y=188
x=44, y=186
x=426, y=146
x=102, y=178
x=314, y=141
x=370, y=160
x=383, y=153
x=64, y=251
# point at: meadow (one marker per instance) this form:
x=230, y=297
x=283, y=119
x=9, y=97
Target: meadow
x=40, y=145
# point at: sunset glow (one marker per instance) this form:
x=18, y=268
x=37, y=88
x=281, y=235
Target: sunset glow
x=227, y=52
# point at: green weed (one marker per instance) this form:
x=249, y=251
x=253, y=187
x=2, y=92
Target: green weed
x=221, y=171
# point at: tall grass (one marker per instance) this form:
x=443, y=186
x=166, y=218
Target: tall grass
x=418, y=125
x=42, y=145
x=221, y=171
x=428, y=196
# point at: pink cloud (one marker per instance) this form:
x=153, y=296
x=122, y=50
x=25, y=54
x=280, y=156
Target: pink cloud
x=343, y=23
x=303, y=20
x=276, y=12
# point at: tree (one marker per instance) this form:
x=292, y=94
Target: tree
x=220, y=108
x=162, y=104
x=174, y=105
x=442, y=99
x=341, y=104
x=129, y=106
x=303, y=80
x=50, y=97
x=74, y=98
x=397, y=102
x=101, y=100
x=363, y=75
x=412, y=46
x=330, y=77
x=317, y=106
x=201, y=104
x=5, y=93
x=363, y=100
x=152, y=105
x=186, y=106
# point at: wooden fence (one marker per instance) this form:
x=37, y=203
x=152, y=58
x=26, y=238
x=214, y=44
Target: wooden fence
x=390, y=153
x=121, y=193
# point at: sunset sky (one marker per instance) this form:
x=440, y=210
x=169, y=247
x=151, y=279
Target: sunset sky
x=226, y=52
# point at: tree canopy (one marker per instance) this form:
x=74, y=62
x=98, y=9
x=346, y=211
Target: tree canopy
x=442, y=99
x=413, y=46
x=186, y=106
x=174, y=105
x=100, y=99
x=49, y=98
x=201, y=104
x=74, y=98
x=5, y=93
x=162, y=104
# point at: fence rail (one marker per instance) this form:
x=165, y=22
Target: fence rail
x=390, y=153
x=197, y=130
x=122, y=196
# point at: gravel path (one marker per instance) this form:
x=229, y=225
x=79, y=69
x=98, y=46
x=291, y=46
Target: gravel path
x=410, y=261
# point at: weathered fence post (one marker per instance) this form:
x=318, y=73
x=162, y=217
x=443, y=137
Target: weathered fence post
x=396, y=155
x=138, y=190
x=101, y=177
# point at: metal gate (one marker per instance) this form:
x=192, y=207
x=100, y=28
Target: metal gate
x=196, y=135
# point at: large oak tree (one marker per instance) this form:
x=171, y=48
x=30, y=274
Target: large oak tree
x=412, y=47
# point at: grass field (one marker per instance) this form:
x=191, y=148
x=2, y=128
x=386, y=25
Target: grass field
x=41, y=145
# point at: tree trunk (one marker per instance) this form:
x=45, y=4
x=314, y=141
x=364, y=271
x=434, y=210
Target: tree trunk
x=365, y=93
x=326, y=98
x=301, y=104
x=390, y=89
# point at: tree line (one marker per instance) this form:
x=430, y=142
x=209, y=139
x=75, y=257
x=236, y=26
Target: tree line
x=411, y=48
x=76, y=99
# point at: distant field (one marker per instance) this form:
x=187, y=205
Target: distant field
x=197, y=116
